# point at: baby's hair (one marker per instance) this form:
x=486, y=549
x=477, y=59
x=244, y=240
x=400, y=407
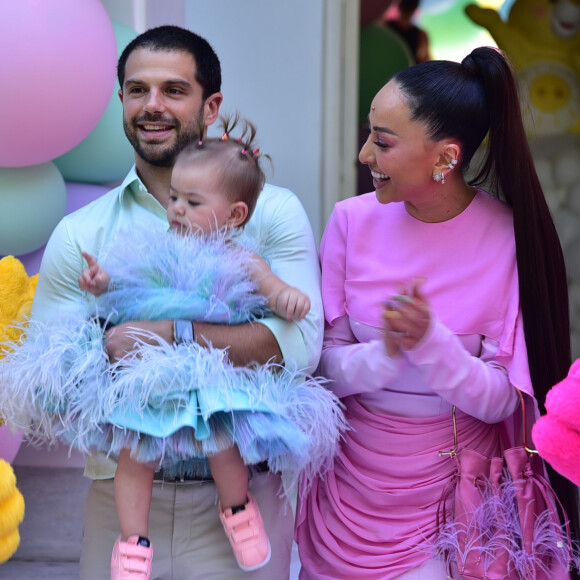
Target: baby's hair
x=236, y=160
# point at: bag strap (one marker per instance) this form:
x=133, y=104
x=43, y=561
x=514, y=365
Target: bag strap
x=525, y=425
x=453, y=452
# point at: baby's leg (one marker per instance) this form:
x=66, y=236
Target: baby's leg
x=231, y=477
x=239, y=513
x=133, y=489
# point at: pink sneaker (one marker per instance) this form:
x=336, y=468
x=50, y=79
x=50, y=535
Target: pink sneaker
x=247, y=535
x=130, y=560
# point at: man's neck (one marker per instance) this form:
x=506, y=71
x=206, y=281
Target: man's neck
x=156, y=180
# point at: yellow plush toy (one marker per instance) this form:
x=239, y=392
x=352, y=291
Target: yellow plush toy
x=16, y=294
x=542, y=38
x=11, y=511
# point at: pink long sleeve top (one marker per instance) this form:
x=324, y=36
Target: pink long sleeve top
x=474, y=351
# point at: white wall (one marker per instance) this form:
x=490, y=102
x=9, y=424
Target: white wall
x=272, y=56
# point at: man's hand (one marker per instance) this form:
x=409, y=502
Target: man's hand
x=124, y=339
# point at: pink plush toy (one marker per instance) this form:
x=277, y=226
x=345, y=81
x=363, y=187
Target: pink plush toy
x=556, y=435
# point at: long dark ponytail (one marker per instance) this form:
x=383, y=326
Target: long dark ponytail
x=541, y=267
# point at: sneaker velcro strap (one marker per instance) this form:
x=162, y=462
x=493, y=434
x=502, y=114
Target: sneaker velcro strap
x=242, y=535
x=136, y=558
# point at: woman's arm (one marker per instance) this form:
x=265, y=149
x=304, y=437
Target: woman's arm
x=355, y=367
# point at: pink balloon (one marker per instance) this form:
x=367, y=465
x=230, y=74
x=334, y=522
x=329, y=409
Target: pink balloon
x=57, y=65
x=77, y=196
x=9, y=443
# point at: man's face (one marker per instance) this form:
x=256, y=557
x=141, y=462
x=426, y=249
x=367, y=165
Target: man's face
x=163, y=107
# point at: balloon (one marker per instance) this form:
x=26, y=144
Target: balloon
x=382, y=54
x=449, y=30
x=31, y=261
x=78, y=195
x=9, y=443
x=57, y=66
x=105, y=155
x=81, y=194
x=32, y=202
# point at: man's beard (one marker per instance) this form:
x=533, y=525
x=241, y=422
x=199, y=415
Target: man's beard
x=157, y=154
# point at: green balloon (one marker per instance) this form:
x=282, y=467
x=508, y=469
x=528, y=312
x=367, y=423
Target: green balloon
x=32, y=202
x=451, y=28
x=105, y=155
x=382, y=53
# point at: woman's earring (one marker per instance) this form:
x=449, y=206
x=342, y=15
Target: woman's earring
x=439, y=177
x=452, y=164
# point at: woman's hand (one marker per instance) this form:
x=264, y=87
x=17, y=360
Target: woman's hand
x=407, y=317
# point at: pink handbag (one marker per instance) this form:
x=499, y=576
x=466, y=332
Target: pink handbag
x=497, y=517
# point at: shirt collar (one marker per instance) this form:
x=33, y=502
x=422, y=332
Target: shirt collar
x=132, y=183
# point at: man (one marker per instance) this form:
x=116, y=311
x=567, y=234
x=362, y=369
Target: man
x=170, y=81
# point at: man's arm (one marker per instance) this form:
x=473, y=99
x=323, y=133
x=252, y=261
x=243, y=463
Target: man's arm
x=58, y=291
x=246, y=343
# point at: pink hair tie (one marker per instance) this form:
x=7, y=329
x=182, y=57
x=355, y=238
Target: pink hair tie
x=255, y=151
x=225, y=137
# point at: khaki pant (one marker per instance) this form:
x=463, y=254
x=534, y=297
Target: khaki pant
x=185, y=531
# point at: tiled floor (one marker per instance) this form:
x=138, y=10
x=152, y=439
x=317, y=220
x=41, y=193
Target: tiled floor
x=50, y=534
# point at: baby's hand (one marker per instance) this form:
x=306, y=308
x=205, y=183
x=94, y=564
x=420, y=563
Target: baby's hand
x=291, y=303
x=93, y=278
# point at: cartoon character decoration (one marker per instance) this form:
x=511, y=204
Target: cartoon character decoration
x=542, y=38
x=16, y=294
x=11, y=512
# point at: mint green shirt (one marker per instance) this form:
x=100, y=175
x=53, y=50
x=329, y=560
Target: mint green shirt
x=279, y=224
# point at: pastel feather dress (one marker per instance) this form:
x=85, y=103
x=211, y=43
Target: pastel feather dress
x=172, y=405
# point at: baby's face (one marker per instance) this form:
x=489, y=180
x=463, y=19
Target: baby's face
x=197, y=202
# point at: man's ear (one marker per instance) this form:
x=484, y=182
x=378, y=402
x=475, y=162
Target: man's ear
x=211, y=108
x=238, y=214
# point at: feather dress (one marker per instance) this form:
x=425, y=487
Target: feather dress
x=173, y=404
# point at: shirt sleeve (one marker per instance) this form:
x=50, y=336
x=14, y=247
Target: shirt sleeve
x=291, y=251
x=57, y=291
x=479, y=386
x=355, y=367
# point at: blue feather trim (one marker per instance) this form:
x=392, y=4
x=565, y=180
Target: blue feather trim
x=205, y=278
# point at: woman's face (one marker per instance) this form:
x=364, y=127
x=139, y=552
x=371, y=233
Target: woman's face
x=400, y=156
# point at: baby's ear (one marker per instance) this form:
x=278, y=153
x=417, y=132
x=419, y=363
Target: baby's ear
x=238, y=214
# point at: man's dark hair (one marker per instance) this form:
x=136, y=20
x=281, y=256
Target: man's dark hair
x=174, y=38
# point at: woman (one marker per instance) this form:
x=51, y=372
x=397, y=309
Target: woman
x=436, y=295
